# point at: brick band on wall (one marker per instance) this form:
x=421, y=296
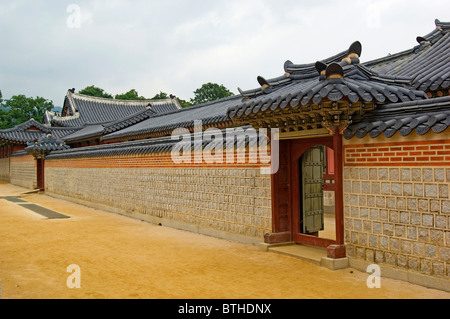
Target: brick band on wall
x=414, y=153
x=153, y=160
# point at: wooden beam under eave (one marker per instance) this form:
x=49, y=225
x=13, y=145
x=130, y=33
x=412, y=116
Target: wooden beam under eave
x=299, y=134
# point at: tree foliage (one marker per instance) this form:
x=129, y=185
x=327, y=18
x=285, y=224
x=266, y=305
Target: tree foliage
x=161, y=96
x=95, y=91
x=209, y=92
x=130, y=95
x=184, y=103
x=19, y=109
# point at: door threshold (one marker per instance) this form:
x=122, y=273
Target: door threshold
x=315, y=255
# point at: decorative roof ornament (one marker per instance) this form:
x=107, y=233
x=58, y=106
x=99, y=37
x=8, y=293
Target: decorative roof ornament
x=43, y=146
x=334, y=71
x=354, y=52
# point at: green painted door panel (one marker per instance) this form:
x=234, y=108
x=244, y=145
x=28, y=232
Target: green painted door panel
x=312, y=190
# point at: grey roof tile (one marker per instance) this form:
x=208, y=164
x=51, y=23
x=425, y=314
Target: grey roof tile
x=148, y=146
x=81, y=110
x=418, y=116
x=211, y=113
x=32, y=130
x=45, y=144
x=427, y=63
x=357, y=84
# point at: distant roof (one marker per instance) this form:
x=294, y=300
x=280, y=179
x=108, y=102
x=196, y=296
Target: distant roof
x=98, y=130
x=32, y=130
x=210, y=113
x=428, y=63
x=80, y=110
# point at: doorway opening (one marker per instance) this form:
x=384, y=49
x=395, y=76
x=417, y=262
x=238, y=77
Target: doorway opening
x=316, y=193
x=288, y=191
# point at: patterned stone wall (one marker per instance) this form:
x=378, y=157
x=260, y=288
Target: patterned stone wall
x=4, y=169
x=219, y=201
x=399, y=214
x=23, y=171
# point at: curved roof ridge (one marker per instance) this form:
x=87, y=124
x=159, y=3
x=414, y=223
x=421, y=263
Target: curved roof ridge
x=80, y=109
x=389, y=57
x=129, y=120
x=426, y=63
x=84, y=97
x=26, y=125
x=114, y=101
x=298, y=72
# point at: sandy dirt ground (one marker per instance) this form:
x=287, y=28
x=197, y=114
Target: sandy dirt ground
x=121, y=258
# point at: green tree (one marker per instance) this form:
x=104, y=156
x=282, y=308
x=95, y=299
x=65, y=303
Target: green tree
x=3, y=119
x=161, y=96
x=130, y=95
x=19, y=109
x=184, y=103
x=210, y=92
x=164, y=96
x=95, y=91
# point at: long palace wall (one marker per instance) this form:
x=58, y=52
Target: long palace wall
x=225, y=201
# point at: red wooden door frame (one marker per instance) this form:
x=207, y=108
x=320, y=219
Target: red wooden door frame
x=298, y=148
x=286, y=195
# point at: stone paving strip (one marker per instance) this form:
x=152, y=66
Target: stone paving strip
x=48, y=213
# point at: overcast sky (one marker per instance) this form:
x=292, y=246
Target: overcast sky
x=174, y=46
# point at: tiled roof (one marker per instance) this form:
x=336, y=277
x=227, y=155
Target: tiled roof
x=154, y=145
x=87, y=132
x=45, y=144
x=301, y=98
x=406, y=117
x=295, y=72
x=22, y=133
x=132, y=119
x=211, y=113
x=428, y=63
x=315, y=83
x=98, y=130
x=80, y=110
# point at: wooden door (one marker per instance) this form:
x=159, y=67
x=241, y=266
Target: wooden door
x=40, y=173
x=312, y=170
